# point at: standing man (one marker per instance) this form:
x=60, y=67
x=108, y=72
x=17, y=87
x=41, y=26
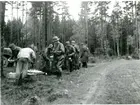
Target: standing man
x=58, y=51
x=84, y=55
x=25, y=56
x=48, y=50
x=76, y=56
x=70, y=55
x=48, y=56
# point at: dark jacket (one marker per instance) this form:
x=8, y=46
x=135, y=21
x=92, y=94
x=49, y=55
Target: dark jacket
x=84, y=54
x=15, y=52
x=69, y=50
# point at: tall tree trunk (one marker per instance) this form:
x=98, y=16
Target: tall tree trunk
x=114, y=47
x=86, y=23
x=118, y=52
x=45, y=23
x=133, y=17
x=26, y=23
x=34, y=35
x=102, y=31
x=17, y=27
x=11, y=32
x=63, y=29
x=49, y=22
x=121, y=41
x=106, y=38
x=138, y=46
x=136, y=24
x=22, y=20
x=39, y=32
x=127, y=48
x=2, y=16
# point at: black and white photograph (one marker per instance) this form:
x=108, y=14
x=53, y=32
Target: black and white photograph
x=69, y=52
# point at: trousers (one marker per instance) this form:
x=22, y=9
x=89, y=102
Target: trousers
x=58, y=63
x=84, y=64
x=21, y=69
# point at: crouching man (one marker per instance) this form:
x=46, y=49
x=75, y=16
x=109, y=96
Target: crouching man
x=15, y=50
x=25, y=56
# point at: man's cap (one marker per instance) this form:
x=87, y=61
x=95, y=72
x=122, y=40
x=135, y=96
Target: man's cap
x=55, y=38
x=67, y=42
x=72, y=41
x=12, y=45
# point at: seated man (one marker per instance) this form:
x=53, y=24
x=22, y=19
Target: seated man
x=70, y=51
x=25, y=56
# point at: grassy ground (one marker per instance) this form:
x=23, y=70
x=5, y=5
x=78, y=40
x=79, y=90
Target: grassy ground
x=46, y=87
x=40, y=85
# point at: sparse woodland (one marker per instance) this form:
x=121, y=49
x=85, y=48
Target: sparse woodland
x=106, y=34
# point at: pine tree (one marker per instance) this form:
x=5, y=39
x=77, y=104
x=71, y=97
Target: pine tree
x=2, y=17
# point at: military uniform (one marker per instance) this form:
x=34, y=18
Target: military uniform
x=58, y=53
x=76, y=56
x=84, y=55
x=49, y=51
x=48, y=57
x=70, y=56
x=15, y=50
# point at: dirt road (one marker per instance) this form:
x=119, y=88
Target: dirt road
x=115, y=82
x=120, y=84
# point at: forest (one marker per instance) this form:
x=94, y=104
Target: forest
x=107, y=35
x=111, y=34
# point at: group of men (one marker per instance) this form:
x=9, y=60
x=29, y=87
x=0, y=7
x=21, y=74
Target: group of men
x=69, y=56
x=56, y=54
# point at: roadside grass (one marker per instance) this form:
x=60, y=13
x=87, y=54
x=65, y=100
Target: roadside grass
x=40, y=85
x=46, y=87
x=102, y=58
